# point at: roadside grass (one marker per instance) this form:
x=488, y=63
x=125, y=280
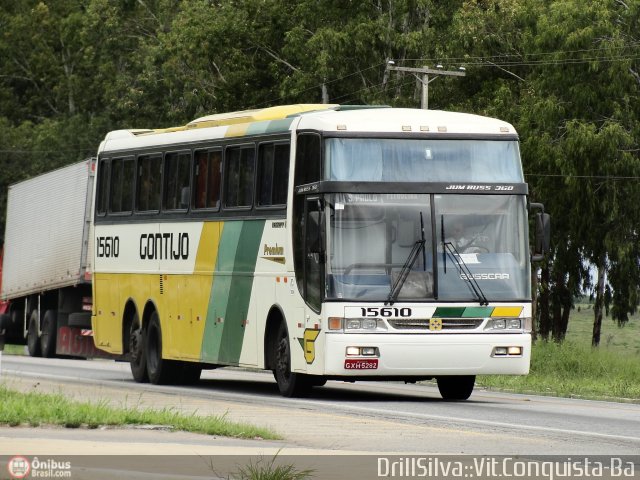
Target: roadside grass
x=266, y=469
x=35, y=409
x=10, y=349
x=575, y=369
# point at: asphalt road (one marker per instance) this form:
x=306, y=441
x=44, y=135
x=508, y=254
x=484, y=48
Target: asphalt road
x=365, y=417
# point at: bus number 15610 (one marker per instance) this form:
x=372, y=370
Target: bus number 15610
x=387, y=312
x=108, y=247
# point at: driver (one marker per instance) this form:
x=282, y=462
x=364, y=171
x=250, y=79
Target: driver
x=461, y=241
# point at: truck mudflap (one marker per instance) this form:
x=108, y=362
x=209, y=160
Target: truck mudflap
x=78, y=342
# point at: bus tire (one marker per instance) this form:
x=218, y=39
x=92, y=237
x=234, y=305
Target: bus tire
x=33, y=340
x=160, y=371
x=456, y=387
x=290, y=384
x=137, y=354
x=49, y=334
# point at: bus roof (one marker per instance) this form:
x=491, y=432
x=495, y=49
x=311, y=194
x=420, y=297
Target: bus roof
x=321, y=117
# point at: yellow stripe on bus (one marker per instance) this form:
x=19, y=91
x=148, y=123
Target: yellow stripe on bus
x=208, y=248
x=507, y=311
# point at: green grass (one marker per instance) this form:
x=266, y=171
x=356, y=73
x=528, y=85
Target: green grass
x=623, y=340
x=575, y=369
x=14, y=349
x=35, y=409
x=266, y=469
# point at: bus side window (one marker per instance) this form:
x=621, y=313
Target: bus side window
x=239, y=171
x=122, y=180
x=307, y=170
x=148, y=187
x=273, y=174
x=176, y=180
x=206, y=179
x=103, y=184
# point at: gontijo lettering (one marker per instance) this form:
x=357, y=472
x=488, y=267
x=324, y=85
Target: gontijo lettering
x=164, y=246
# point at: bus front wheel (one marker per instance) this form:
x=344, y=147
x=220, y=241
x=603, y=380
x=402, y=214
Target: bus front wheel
x=456, y=387
x=290, y=384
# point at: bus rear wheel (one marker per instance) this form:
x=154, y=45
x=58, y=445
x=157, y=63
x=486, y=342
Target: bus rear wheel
x=137, y=355
x=290, y=384
x=159, y=370
x=456, y=387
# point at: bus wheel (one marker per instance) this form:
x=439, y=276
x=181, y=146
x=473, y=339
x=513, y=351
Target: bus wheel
x=456, y=387
x=33, y=341
x=137, y=360
x=160, y=371
x=290, y=384
x=49, y=334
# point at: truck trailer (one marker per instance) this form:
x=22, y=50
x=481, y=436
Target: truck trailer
x=46, y=266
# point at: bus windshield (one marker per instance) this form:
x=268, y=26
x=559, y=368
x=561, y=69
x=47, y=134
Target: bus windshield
x=370, y=237
x=422, y=160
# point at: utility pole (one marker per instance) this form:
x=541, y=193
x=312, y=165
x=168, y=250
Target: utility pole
x=424, y=79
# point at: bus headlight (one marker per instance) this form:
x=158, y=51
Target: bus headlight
x=363, y=352
x=506, y=324
x=510, y=351
x=358, y=324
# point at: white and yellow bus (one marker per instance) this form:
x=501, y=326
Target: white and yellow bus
x=319, y=242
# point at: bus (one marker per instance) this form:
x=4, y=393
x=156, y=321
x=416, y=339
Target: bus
x=321, y=242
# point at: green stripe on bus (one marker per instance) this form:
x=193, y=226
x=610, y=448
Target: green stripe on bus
x=270, y=126
x=231, y=291
x=477, y=312
x=448, y=312
x=463, y=312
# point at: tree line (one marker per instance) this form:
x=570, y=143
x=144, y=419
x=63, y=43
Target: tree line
x=566, y=73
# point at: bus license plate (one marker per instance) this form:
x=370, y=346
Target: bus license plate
x=354, y=364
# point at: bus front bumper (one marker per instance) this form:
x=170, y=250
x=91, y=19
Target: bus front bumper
x=427, y=355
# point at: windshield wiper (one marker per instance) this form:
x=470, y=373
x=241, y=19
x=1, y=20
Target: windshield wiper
x=408, y=265
x=463, y=269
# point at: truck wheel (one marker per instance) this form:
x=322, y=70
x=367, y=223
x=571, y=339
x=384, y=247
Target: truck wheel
x=49, y=334
x=290, y=384
x=138, y=360
x=456, y=387
x=33, y=341
x=160, y=371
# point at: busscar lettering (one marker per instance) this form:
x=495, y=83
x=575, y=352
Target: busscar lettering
x=164, y=246
x=486, y=276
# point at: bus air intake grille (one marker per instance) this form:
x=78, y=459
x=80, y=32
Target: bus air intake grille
x=425, y=323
